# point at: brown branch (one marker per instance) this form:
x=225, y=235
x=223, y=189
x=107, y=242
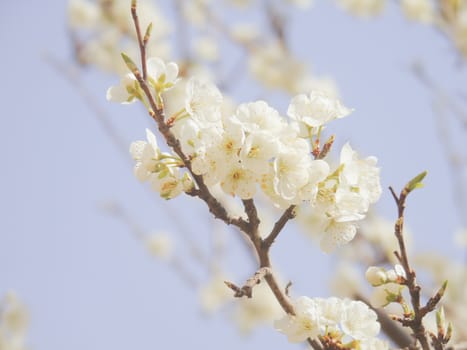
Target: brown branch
x=141, y=42
x=247, y=288
x=250, y=227
x=415, y=320
x=434, y=300
x=315, y=344
x=252, y=214
x=279, y=225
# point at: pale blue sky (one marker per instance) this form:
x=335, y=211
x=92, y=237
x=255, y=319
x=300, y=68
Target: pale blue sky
x=88, y=283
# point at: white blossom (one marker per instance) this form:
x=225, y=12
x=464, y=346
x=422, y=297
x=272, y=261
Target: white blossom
x=162, y=76
x=203, y=101
x=316, y=109
x=160, y=169
x=257, y=150
x=359, y=321
x=337, y=234
x=304, y=324
x=258, y=116
x=146, y=155
x=291, y=169
x=376, y=276
x=167, y=182
x=126, y=92
x=239, y=181
x=345, y=319
x=343, y=199
x=359, y=185
x=393, y=275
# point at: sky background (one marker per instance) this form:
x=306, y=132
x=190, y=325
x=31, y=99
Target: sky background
x=88, y=283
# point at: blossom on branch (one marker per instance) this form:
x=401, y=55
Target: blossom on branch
x=161, y=77
x=334, y=320
x=316, y=109
x=159, y=168
x=344, y=198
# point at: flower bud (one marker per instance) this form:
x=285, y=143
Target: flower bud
x=394, y=275
x=187, y=183
x=376, y=276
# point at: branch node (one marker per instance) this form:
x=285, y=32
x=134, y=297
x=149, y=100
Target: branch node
x=247, y=289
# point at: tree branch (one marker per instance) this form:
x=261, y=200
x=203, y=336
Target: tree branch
x=141, y=42
x=247, y=288
x=413, y=321
x=279, y=225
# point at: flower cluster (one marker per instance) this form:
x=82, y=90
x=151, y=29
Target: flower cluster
x=349, y=323
x=344, y=198
x=252, y=146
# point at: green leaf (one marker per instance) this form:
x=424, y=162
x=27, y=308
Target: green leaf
x=416, y=182
x=148, y=32
x=129, y=63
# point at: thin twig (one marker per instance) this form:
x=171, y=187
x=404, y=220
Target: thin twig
x=252, y=214
x=247, y=288
x=141, y=41
x=279, y=225
x=414, y=321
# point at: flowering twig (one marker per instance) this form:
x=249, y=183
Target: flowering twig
x=157, y=113
x=249, y=226
x=414, y=318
